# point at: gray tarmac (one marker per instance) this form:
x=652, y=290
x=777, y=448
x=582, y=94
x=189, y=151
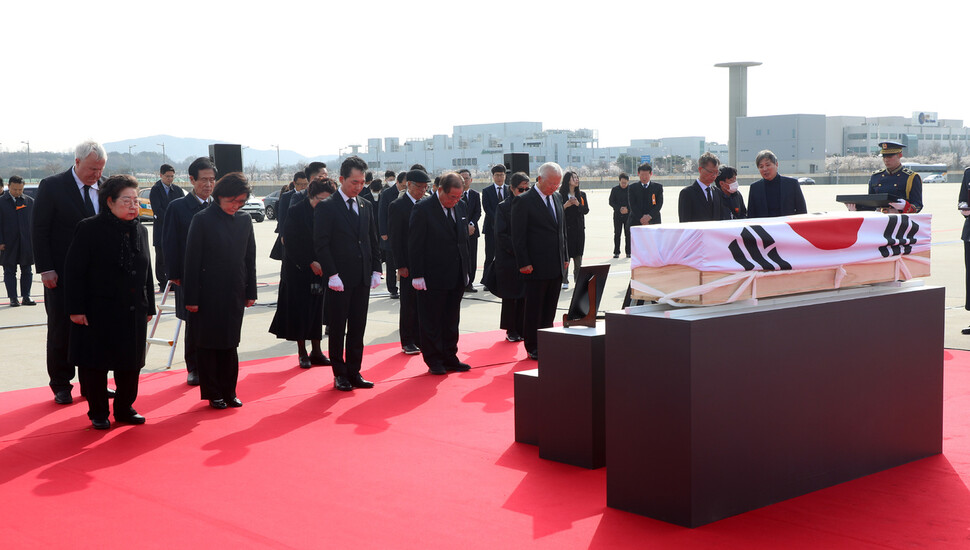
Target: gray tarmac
x=23, y=330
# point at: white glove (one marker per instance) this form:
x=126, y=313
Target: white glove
x=419, y=284
x=335, y=283
x=375, y=280
x=899, y=205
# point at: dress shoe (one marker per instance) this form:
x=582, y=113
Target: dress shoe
x=192, y=379
x=395, y=296
x=627, y=255
x=460, y=367
x=63, y=397
x=28, y=302
x=319, y=359
x=218, y=403
x=341, y=383
x=437, y=369
x=411, y=349
x=234, y=402
x=305, y=363
x=470, y=288
x=965, y=331
x=14, y=302
x=513, y=336
x=534, y=355
x=358, y=381
x=101, y=424
x=133, y=418
x=616, y=255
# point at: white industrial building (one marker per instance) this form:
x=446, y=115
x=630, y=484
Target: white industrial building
x=923, y=133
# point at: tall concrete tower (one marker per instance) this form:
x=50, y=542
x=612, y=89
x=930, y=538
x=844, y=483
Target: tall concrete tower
x=737, y=102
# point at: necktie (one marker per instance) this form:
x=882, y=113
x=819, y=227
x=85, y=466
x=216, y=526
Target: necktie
x=350, y=205
x=499, y=191
x=552, y=209
x=709, y=199
x=88, y=205
x=451, y=216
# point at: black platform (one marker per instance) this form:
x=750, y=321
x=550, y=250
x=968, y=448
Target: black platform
x=717, y=411
x=525, y=388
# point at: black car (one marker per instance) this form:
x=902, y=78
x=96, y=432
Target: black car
x=269, y=203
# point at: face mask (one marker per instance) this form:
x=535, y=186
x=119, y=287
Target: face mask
x=733, y=187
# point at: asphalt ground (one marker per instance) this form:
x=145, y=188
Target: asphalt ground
x=23, y=330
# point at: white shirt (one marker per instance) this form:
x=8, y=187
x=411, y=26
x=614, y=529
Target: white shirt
x=80, y=189
x=346, y=198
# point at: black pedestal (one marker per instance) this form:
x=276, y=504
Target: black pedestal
x=717, y=412
x=571, y=395
x=525, y=386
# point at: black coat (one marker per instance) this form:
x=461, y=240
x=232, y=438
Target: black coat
x=732, y=206
x=647, y=200
x=344, y=245
x=575, y=225
x=15, y=225
x=792, y=201
x=58, y=208
x=117, y=300
x=508, y=280
x=539, y=240
x=220, y=275
x=299, y=313
x=160, y=202
x=620, y=197
x=964, y=196
x=398, y=220
x=693, y=205
x=178, y=217
x=438, y=246
x=384, y=201
x=473, y=209
x=490, y=203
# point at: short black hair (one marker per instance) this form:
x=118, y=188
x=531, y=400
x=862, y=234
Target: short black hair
x=465, y=171
x=13, y=179
x=231, y=185
x=112, y=188
x=402, y=176
x=418, y=167
x=645, y=167
x=498, y=168
x=368, y=176
x=320, y=186
x=376, y=185
x=313, y=169
x=199, y=164
x=725, y=173
x=165, y=168
x=518, y=178
x=388, y=175
x=350, y=163
x=299, y=175
x=624, y=176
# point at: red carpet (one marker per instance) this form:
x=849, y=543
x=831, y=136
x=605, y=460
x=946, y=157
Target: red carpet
x=417, y=462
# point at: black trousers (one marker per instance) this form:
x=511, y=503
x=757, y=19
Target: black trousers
x=541, y=300
x=191, y=349
x=391, y=272
x=94, y=384
x=408, y=324
x=440, y=312
x=10, y=280
x=966, y=265
x=621, y=225
x=489, y=253
x=59, y=368
x=473, y=258
x=512, y=318
x=346, y=314
x=218, y=372
x=160, y=273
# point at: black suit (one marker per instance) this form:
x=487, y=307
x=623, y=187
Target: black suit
x=16, y=216
x=693, y=205
x=620, y=198
x=490, y=202
x=473, y=209
x=790, y=198
x=438, y=252
x=160, y=201
x=178, y=217
x=398, y=221
x=346, y=245
x=282, y=208
x=645, y=200
x=964, y=196
x=59, y=206
x=384, y=201
x=539, y=241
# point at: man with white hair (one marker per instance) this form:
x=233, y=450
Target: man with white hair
x=539, y=241
x=62, y=201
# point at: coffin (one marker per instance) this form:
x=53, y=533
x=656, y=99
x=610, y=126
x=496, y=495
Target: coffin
x=706, y=263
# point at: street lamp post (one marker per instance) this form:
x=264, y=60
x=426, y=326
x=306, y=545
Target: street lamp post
x=30, y=173
x=164, y=158
x=130, y=171
x=279, y=171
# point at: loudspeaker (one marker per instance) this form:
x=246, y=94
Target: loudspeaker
x=517, y=162
x=227, y=157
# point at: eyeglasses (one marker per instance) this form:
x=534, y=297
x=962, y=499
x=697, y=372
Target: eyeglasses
x=710, y=170
x=127, y=201
x=521, y=189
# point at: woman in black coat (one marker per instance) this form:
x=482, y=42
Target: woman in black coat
x=574, y=210
x=110, y=298
x=508, y=281
x=299, y=310
x=219, y=282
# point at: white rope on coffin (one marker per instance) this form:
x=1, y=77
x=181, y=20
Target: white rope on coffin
x=750, y=278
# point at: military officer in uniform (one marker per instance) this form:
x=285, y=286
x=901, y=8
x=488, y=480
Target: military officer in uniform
x=900, y=182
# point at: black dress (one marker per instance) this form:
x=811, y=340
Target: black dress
x=575, y=220
x=299, y=312
x=107, y=277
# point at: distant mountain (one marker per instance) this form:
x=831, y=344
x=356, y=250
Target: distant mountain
x=179, y=149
